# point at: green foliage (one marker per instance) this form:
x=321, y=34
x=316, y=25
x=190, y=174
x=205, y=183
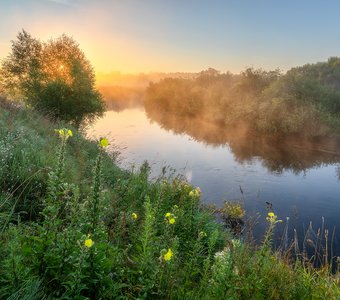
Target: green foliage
x=233, y=210
x=212, y=96
x=105, y=234
x=27, y=154
x=254, y=81
x=54, y=77
x=304, y=101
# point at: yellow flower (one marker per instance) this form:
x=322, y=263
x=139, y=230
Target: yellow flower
x=103, y=142
x=172, y=221
x=88, y=243
x=167, y=256
x=170, y=218
x=64, y=133
x=195, y=193
x=272, y=218
x=134, y=216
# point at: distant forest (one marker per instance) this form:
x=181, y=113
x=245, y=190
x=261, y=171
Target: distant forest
x=303, y=101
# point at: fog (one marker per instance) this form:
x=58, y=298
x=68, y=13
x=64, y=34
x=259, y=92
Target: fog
x=278, y=153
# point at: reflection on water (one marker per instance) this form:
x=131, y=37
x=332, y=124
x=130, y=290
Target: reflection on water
x=276, y=153
x=119, y=98
x=299, y=177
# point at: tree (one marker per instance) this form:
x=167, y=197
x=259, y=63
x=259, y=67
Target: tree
x=207, y=77
x=20, y=63
x=256, y=80
x=53, y=77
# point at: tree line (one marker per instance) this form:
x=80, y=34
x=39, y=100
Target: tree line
x=305, y=100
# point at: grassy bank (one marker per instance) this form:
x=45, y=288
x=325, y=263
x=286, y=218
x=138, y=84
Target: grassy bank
x=75, y=226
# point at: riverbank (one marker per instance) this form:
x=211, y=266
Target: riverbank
x=73, y=224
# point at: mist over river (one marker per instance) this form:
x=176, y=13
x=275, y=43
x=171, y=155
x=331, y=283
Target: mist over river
x=299, y=178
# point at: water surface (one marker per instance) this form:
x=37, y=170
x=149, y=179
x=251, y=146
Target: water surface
x=299, y=178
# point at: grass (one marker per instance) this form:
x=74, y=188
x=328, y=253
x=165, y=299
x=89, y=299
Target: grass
x=75, y=226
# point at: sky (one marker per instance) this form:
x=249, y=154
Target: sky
x=134, y=36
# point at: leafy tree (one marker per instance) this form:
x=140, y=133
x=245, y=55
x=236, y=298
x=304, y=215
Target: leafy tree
x=20, y=64
x=256, y=80
x=53, y=77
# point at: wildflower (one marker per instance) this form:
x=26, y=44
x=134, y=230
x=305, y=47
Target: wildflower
x=88, y=243
x=195, y=193
x=272, y=218
x=64, y=133
x=104, y=142
x=167, y=256
x=134, y=216
x=170, y=218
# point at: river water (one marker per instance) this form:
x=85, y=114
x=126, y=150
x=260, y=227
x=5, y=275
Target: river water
x=299, y=178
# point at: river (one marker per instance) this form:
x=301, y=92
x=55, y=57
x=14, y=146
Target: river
x=299, y=179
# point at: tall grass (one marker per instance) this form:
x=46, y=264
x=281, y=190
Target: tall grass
x=100, y=233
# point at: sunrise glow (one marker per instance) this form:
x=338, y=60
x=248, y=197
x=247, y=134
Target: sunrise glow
x=169, y=149
x=178, y=36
